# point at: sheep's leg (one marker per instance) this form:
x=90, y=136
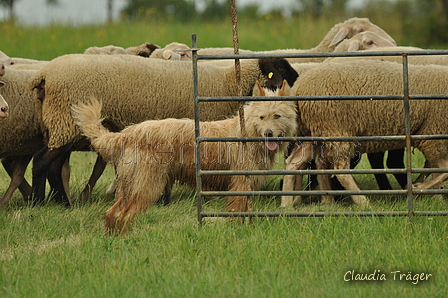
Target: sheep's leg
x=65, y=175
x=112, y=187
x=422, y=177
x=41, y=163
x=97, y=171
x=166, y=195
x=16, y=167
x=349, y=183
x=395, y=161
x=324, y=180
x=376, y=161
x=437, y=177
x=297, y=160
x=58, y=178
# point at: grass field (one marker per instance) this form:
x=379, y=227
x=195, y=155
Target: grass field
x=49, y=251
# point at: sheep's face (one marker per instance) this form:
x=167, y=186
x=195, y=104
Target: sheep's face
x=271, y=118
x=365, y=41
x=4, y=108
x=354, y=26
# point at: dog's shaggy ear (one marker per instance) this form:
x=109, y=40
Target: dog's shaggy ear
x=285, y=90
x=258, y=90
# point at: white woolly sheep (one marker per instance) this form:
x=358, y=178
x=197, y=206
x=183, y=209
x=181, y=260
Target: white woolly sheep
x=366, y=40
x=412, y=59
x=372, y=118
x=144, y=50
x=376, y=160
x=20, y=133
x=5, y=59
x=132, y=90
x=171, y=52
x=106, y=50
x=335, y=36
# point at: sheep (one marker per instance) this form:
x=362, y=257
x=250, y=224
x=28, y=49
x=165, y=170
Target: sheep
x=376, y=160
x=372, y=118
x=336, y=35
x=412, y=59
x=5, y=59
x=394, y=158
x=4, y=107
x=363, y=41
x=16, y=160
x=171, y=51
x=339, y=32
x=132, y=90
x=144, y=50
x=20, y=133
x=106, y=50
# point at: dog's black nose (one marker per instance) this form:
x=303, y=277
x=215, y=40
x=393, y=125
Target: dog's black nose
x=268, y=133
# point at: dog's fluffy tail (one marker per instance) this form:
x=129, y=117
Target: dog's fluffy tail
x=88, y=118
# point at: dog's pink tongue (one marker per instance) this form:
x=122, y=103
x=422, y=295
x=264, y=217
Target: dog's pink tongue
x=271, y=145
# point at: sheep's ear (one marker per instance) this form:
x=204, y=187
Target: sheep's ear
x=269, y=69
x=2, y=84
x=354, y=46
x=285, y=90
x=340, y=36
x=258, y=91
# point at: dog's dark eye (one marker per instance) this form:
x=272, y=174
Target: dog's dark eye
x=261, y=117
x=276, y=116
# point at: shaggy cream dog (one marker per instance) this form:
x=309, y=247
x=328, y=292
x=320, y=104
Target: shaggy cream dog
x=153, y=153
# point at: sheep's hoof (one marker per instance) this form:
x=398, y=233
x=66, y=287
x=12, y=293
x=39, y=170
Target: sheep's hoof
x=287, y=202
x=327, y=200
x=361, y=201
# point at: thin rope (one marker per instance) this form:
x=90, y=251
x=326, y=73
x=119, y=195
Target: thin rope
x=237, y=66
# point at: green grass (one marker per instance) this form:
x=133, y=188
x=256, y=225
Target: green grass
x=49, y=251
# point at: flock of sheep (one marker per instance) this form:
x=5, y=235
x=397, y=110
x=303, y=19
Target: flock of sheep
x=135, y=84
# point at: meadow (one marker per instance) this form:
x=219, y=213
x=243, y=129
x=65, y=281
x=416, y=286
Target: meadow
x=49, y=251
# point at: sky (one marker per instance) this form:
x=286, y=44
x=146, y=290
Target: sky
x=37, y=12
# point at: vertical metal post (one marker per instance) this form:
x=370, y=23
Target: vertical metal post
x=408, y=135
x=196, y=127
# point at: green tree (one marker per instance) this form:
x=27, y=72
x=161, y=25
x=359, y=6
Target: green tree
x=322, y=8
x=9, y=5
x=216, y=10
x=181, y=10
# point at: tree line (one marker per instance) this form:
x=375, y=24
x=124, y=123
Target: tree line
x=423, y=21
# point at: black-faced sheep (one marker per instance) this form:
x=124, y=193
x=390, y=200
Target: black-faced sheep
x=373, y=117
x=132, y=90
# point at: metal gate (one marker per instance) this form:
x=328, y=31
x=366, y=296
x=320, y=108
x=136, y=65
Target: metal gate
x=409, y=170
